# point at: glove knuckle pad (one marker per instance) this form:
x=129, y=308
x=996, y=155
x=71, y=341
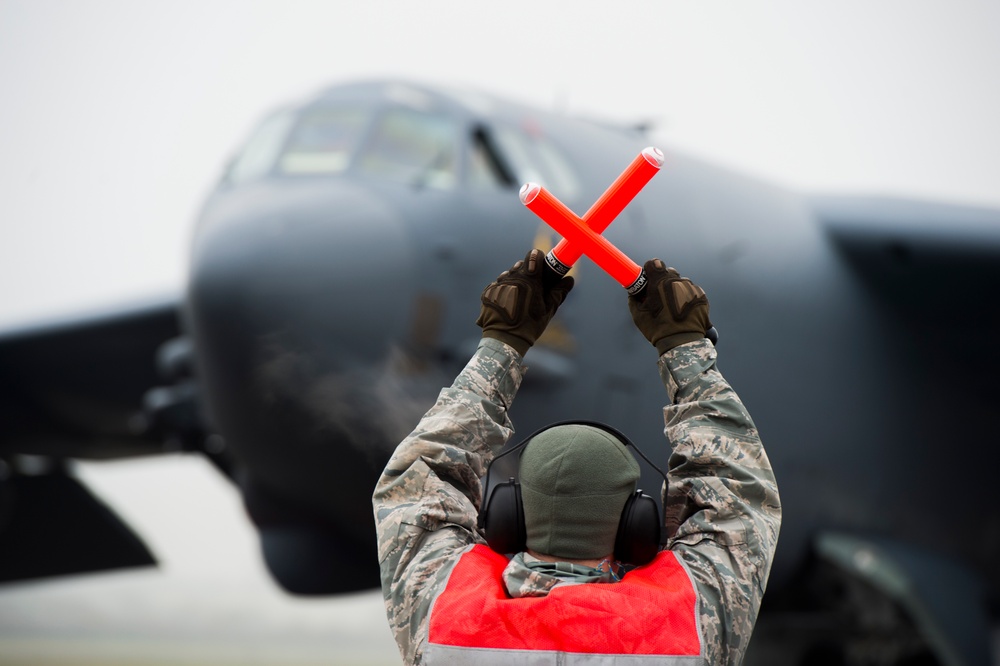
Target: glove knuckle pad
x=504, y=297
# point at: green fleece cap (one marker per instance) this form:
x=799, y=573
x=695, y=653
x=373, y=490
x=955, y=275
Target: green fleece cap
x=575, y=480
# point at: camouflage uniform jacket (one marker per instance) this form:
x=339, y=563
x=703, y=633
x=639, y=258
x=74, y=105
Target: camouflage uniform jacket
x=722, y=506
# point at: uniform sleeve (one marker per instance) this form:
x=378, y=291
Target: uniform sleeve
x=427, y=500
x=721, y=504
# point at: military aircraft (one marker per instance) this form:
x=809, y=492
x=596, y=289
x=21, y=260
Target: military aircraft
x=334, y=285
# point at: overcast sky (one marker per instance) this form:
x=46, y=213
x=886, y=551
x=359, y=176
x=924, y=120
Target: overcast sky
x=117, y=115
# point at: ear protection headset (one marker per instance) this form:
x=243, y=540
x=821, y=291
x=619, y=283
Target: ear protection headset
x=501, y=518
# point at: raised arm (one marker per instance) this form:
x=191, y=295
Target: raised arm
x=721, y=502
x=427, y=500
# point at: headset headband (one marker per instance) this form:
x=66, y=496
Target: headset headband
x=618, y=434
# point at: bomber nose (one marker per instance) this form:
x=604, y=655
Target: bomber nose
x=317, y=254
x=296, y=303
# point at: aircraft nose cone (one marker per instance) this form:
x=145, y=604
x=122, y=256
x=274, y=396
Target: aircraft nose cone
x=322, y=261
x=294, y=302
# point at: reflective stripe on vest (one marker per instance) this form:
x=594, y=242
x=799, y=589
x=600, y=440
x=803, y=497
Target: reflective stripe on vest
x=650, y=616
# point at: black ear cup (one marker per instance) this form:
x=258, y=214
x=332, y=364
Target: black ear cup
x=638, y=538
x=502, y=519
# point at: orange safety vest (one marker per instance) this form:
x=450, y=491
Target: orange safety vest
x=650, y=616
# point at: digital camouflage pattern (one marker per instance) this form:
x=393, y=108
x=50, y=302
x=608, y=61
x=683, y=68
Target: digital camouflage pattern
x=721, y=502
x=427, y=500
x=528, y=576
x=722, y=507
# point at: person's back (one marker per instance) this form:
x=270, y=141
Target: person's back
x=565, y=598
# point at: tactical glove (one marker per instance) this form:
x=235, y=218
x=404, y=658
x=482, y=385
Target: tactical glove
x=671, y=310
x=518, y=306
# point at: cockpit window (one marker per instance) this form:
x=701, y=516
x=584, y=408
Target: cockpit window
x=487, y=169
x=414, y=147
x=261, y=150
x=532, y=157
x=323, y=140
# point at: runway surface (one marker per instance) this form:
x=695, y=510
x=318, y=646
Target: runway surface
x=210, y=601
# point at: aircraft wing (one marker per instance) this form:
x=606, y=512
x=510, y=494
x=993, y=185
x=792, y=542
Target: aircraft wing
x=933, y=270
x=898, y=233
x=80, y=388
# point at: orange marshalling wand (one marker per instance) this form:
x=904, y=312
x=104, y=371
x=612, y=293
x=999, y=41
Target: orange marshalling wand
x=583, y=236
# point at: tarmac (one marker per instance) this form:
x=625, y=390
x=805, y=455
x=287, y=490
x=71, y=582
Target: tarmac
x=210, y=601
